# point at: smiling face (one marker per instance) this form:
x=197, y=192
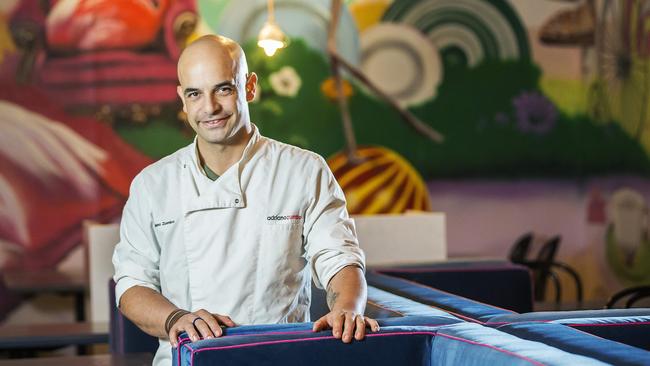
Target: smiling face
x=215, y=89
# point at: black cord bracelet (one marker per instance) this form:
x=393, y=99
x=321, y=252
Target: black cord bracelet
x=173, y=317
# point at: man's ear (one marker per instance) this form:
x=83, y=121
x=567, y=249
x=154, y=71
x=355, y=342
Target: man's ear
x=179, y=91
x=251, y=86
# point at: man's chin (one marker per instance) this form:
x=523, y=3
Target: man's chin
x=213, y=138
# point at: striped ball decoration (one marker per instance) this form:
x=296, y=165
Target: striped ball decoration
x=382, y=183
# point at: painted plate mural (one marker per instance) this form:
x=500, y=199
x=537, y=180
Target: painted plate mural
x=401, y=61
x=465, y=31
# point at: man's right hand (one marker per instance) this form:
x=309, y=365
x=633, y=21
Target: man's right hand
x=199, y=324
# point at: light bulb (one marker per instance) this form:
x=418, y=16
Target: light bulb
x=271, y=38
x=270, y=46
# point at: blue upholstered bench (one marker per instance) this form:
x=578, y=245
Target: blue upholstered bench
x=628, y=328
x=455, y=344
x=496, y=282
x=420, y=325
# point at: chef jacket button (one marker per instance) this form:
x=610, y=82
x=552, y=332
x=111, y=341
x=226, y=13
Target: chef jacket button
x=236, y=200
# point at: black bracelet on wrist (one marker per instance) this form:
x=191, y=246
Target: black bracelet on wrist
x=173, y=317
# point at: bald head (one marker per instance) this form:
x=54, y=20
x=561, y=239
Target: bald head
x=215, y=89
x=217, y=49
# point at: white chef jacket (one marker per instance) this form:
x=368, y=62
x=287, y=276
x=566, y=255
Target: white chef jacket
x=244, y=245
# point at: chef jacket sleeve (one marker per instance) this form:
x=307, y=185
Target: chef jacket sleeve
x=330, y=237
x=136, y=256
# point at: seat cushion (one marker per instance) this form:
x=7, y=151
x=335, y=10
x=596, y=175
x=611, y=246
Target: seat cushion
x=629, y=326
x=578, y=342
x=470, y=344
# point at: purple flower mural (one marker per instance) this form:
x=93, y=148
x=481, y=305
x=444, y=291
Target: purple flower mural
x=535, y=113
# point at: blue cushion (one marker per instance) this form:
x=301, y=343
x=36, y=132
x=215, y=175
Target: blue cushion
x=457, y=305
x=634, y=331
x=390, y=346
x=577, y=342
x=472, y=344
x=498, y=283
x=629, y=326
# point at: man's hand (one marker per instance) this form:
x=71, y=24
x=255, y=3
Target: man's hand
x=344, y=324
x=199, y=324
x=346, y=298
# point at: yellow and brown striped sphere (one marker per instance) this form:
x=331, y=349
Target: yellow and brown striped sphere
x=383, y=182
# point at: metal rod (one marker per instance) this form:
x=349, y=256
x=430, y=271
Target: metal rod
x=348, y=128
x=409, y=117
x=271, y=10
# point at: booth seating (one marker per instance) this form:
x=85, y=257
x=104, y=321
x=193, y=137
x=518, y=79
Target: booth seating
x=419, y=325
x=395, y=344
x=622, y=334
x=417, y=334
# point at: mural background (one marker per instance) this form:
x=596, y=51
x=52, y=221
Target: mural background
x=544, y=116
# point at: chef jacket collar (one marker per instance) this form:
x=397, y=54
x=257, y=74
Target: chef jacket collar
x=225, y=191
x=248, y=150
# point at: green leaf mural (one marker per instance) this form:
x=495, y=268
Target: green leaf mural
x=490, y=115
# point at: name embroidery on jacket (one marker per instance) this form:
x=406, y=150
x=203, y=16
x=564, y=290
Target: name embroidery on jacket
x=164, y=223
x=284, y=218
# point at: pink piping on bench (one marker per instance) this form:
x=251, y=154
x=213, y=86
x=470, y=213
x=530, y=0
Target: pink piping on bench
x=182, y=340
x=193, y=352
x=256, y=334
x=567, y=324
x=604, y=324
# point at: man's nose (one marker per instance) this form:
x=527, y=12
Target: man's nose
x=212, y=105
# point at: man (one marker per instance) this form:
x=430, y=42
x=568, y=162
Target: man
x=229, y=229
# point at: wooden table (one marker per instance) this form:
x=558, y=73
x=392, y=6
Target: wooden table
x=31, y=283
x=39, y=336
x=135, y=359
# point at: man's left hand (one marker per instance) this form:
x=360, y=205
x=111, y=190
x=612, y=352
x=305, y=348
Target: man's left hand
x=345, y=324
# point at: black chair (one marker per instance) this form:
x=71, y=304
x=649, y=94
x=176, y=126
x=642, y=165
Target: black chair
x=125, y=337
x=544, y=266
x=633, y=294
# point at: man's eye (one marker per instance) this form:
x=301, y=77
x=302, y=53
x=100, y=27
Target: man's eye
x=192, y=94
x=226, y=90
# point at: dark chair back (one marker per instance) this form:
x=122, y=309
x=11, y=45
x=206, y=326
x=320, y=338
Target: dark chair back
x=545, y=259
x=125, y=337
x=541, y=265
x=519, y=251
x=633, y=294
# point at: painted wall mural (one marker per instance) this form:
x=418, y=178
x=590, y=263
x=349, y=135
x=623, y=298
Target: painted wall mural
x=543, y=106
